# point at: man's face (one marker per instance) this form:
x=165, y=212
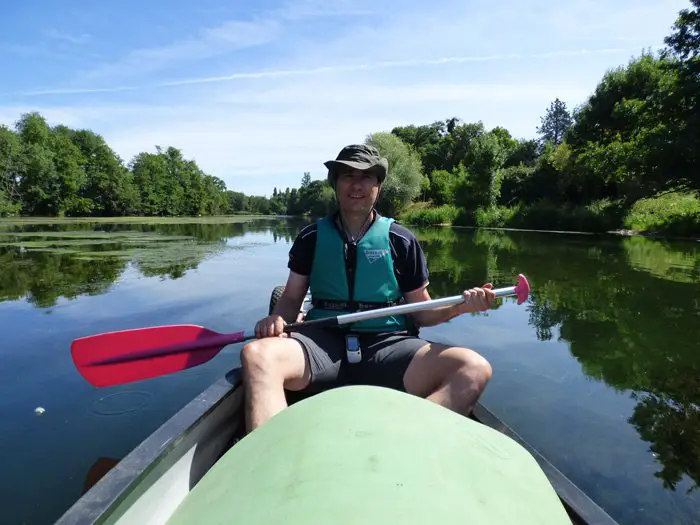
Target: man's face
x=357, y=190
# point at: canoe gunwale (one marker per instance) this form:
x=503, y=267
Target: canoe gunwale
x=110, y=490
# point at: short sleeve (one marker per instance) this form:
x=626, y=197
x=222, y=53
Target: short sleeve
x=410, y=265
x=301, y=254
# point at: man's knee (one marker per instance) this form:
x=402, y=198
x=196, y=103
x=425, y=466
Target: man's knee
x=257, y=357
x=436, y=365
x=474, y=366
x=275, y=359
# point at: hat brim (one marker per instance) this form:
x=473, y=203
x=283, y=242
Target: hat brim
x=364, y=166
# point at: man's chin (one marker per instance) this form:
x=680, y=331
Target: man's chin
x=357, y=206
x=359, y=209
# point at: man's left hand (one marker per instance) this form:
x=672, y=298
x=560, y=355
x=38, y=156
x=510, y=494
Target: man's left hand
x=478, y=299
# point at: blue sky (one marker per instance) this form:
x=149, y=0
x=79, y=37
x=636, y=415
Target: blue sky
x=259, y=93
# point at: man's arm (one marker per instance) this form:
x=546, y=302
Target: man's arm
x=475, y=300
x=301, y=256
x=431, y=317
x=412, y=275
x=292, y=299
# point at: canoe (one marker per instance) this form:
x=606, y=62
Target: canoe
x=328, y=452
x=325, y=458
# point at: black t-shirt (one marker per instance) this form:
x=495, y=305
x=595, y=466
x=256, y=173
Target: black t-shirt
x=410, y=267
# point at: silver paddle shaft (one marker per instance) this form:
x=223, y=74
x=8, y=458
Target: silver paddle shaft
x=414, y=307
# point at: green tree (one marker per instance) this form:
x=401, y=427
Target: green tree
x=555, y=123
x=428, y=142
x=442, y=184
x=524, y=152
x=479, y=185
x=684, y=41
x=621, y=143
x=150, y=175
x=11, y=171
x=403, y=184
x=213, y=196
x=108, y=184
x=238, y=202
x=53, y=169
x=682, y=107
x=259, y=205
x=69, y=163
x=39, y=181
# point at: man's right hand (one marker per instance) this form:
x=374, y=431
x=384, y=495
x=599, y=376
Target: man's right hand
x=270, y=326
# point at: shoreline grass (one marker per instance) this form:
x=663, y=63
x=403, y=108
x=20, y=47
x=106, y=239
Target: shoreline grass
x=667, y=215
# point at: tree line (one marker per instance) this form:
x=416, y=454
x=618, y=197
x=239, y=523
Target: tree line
x=630, y=155
x=58, y=171
x=627, y=157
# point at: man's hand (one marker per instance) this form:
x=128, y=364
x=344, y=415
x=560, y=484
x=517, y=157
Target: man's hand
x=477, y=299
x=270, y=326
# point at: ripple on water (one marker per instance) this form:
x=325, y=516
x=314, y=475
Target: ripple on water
x=121, y=403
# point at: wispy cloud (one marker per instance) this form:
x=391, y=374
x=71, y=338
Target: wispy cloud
x=389, y=64
x=55, y=34
x=306, y=9
x=75, y=91
x=390, y=95
x=213, y=41
x=221, y=40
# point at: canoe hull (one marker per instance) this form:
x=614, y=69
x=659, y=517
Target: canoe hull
x=148, y=485
x=372, y=456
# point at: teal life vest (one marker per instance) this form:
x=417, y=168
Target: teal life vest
x=372, y=284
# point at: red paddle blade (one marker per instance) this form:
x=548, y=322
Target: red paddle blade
x=132, y=355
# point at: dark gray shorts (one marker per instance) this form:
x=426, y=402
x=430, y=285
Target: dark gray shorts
x=385, y=358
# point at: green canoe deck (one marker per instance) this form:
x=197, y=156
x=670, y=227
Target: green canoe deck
x=370, y=456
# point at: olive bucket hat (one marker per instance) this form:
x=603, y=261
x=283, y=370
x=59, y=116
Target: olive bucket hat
x=361, y=157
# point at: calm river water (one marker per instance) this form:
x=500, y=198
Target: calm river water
x=598, y=370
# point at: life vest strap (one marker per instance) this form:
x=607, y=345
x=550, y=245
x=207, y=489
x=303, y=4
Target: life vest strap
x=351, y=306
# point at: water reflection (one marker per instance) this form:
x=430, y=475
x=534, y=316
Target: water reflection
x=628, y=308
x=44, y=262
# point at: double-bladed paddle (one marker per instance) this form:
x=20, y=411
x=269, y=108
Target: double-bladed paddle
x=124, y=356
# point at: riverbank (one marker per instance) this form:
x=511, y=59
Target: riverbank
x=669, y=215
x=135, y=219
x=672, y=215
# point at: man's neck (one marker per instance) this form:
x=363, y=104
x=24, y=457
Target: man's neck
x=356, y=224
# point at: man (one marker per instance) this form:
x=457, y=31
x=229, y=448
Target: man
x=353, y=259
